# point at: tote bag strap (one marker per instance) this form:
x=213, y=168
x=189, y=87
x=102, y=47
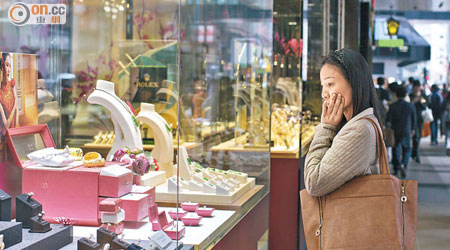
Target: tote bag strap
x=381, y=149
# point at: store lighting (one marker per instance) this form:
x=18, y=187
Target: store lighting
x=107, y=9
x=121, y=8
x=292, y=23
x=114, y=10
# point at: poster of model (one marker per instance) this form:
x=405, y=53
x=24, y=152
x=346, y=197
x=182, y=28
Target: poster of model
x=18, y=93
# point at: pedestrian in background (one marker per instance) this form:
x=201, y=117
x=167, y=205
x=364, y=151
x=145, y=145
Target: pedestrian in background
x=445, y=120
x=420, y=103
x=435, y=104
x=402, y=118
x=383, y=97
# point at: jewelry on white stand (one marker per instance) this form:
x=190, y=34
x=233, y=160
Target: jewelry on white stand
x=163, y=150
x=127, y=133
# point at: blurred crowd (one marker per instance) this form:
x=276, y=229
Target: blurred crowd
x=412, y=110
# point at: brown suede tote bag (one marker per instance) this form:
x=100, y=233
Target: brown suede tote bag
x=376, y=212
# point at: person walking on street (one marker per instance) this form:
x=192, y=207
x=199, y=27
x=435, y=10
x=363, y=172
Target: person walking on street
x=435, y=103
x=420, y=103
x=445, y=119
x=402, y=118
x=383, y=97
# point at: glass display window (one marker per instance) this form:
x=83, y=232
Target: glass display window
x=165, y=107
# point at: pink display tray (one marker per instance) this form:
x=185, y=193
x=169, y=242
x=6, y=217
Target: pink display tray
x=173, y=233
x=189, y=206
x=191, y=221
x=173, y=214
x=205, y=211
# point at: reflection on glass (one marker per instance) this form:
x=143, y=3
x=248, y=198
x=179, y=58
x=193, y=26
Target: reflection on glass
x=286, y=90
x=226, y=69
x=26, y=144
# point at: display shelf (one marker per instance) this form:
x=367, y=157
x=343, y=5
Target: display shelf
x=104, y=149
x=196, y=236
x=283, y=152
x=163, y=195
x=56, y=238
x=230, y=145
x=237, y=205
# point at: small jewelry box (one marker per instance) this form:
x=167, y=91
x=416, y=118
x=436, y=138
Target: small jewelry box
x=110, y=205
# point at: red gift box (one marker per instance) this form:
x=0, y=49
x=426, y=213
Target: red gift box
x=135, y=206
x=110, y=205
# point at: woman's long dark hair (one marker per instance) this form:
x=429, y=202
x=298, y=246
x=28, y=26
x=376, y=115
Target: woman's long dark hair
x=355, y=69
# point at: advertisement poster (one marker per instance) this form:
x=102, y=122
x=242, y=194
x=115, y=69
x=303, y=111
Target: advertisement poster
x=18, y=93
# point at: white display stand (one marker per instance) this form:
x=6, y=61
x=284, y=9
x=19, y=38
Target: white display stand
x=183, y=164
x=126, y=132
x=194, y=235
x=163, y=194
x=163, y=150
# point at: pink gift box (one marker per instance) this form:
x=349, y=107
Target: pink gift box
x=115, y=186
x=135, y=206
x=191, y=220
x=152, y=212
x=161, y=221
x=189, y=206
x=171, y=231
x=115, y=228
x=173, y=213
x=64, y=193
x=110, y=205
x=145, y=190
x=205, y=211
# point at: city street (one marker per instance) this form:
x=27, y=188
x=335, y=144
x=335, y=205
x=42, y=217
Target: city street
x=433, y=175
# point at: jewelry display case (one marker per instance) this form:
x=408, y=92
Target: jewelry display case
x=187, y=81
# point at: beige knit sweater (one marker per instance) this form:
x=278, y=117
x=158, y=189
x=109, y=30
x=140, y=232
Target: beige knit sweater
x=334, y=159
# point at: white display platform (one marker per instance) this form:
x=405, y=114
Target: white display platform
x=163, y=195
x=153, y=178
x=194, y=235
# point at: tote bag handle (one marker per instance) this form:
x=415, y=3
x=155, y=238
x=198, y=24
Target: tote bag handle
x=381, y=149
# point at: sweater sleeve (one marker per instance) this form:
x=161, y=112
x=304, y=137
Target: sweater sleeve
x=333, y=160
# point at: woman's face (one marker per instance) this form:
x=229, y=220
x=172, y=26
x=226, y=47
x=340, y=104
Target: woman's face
x=8, y=68
x=334, y=82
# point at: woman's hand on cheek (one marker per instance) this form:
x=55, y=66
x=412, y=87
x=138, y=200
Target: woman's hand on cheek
x=333, y=110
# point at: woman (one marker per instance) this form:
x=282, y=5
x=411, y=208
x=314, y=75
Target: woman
x=8, y=107
x=344, y=145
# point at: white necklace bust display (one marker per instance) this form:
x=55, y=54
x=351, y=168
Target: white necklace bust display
x=127, y=133
x=163, y=150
